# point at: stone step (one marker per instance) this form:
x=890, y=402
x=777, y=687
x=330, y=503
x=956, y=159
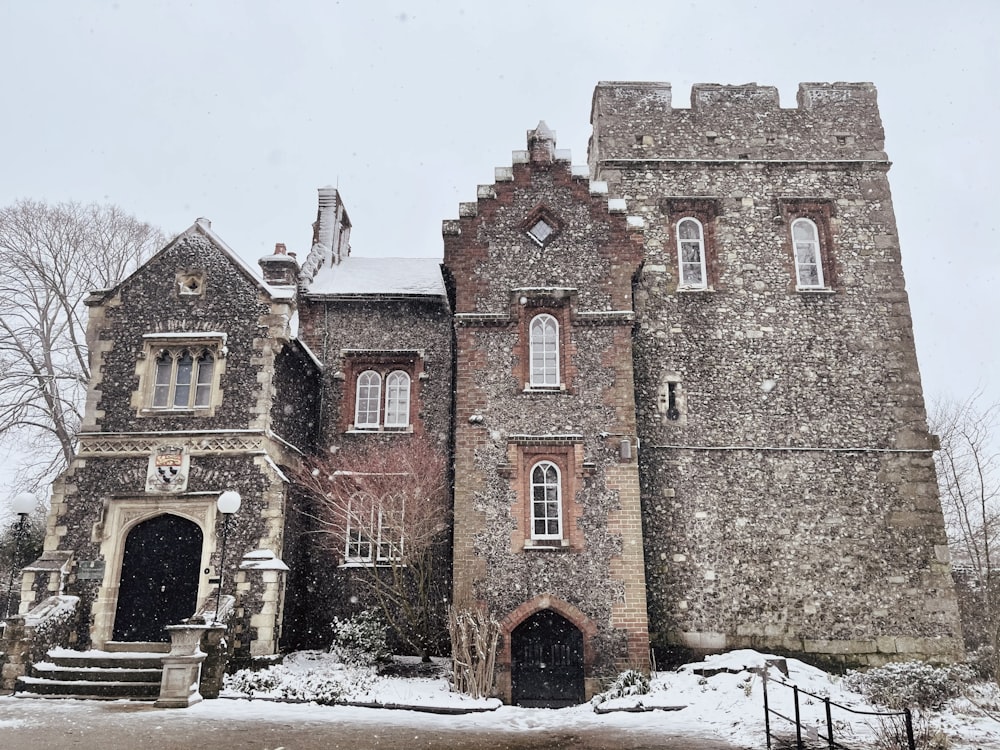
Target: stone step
x=132, y=672
x=154, y=647
x=116, y=673
x=30, y=687
x=63, y=657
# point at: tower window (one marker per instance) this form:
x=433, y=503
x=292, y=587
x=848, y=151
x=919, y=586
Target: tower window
x=808, y=255
x=691, y=254
x=544, y=352
x=546, y=501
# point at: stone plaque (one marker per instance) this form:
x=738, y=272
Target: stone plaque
x=90, y=570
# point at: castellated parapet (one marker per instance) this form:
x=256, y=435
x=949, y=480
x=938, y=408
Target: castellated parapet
x=833, y=121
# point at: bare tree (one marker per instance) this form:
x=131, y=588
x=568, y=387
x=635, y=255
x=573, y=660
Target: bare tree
x=51, y=257
x=968, y=469
x=383, y=509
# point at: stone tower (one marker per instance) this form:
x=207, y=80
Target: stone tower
x=788, y=487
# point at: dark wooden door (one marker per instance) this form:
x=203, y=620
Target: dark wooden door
x=159, y=583
x=547, y=668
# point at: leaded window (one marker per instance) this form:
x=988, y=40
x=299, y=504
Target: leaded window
x=183, y=378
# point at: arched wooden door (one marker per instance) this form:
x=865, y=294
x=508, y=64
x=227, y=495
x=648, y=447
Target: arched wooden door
x=547, y=662
x=159, y=582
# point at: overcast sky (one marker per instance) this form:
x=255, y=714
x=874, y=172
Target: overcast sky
x=238, y=111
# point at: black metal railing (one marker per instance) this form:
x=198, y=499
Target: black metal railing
x=814, y=734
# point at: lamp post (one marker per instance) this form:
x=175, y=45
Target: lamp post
x=228, y=503
x=24, y=505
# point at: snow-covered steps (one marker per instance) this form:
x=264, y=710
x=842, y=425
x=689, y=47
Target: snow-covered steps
x=130, y=671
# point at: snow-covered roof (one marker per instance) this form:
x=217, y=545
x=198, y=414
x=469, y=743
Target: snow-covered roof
x=393, y=277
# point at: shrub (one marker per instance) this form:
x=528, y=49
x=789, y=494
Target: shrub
x=983, y=662
x=629, y=682
x=890, y=734
x=283, y=683
x=910, y=684
x=360, y=639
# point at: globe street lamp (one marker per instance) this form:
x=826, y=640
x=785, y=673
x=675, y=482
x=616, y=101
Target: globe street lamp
x=24, y=505
x=228, y=503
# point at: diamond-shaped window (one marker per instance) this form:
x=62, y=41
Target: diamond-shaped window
x=542, y=226
x=541, y=231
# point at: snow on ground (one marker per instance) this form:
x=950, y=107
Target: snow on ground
x=727, y=705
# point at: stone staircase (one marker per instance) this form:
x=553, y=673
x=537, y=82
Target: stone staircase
x=124, y=671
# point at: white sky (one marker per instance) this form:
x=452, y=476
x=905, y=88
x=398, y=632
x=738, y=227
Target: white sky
x=238, y=111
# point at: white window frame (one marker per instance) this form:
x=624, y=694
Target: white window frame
x=801, y=246
x=364, y=400
x=376, y=536
x=541, y=348
x=544, y=486
x=397, y=399
x=685, y=267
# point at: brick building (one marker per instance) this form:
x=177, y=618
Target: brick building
x=677, y=387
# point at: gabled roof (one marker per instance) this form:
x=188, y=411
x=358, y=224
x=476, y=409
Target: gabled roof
x=201, y=227
x=356, y=277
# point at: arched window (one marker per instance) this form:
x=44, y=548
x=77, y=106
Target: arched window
x=367, y=400
x=183, y=379
x=544, y=351
x=397, y=399
x=546, y=501
x=808, y=258
x=691, y=254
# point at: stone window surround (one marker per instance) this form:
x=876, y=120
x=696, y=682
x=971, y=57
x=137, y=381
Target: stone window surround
x=705, y=211
x=523, y=454
x=821, y=211
x=384, y=362
x=153, y=344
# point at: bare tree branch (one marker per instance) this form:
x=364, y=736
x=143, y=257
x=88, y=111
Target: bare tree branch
x=968, y=469
x=51, y=257
x=383, y=509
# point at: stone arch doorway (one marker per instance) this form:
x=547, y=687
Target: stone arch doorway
x=159, y=578
x=547, y=664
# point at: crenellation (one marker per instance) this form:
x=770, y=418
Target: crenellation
x=835, y=122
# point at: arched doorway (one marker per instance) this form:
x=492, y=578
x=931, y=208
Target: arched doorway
x=546, y=662
x=159, y=582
